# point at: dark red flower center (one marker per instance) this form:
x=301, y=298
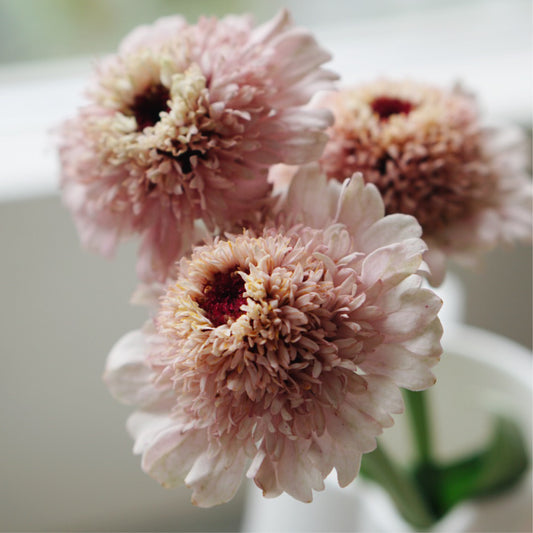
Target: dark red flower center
x=146, y=107
x=385, y=106
x=223, y=298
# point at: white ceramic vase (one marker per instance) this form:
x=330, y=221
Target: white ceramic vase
x=479, y=372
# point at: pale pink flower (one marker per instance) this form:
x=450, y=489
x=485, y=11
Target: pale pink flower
x=280, y=353
x=430, y=156
x=182, y=125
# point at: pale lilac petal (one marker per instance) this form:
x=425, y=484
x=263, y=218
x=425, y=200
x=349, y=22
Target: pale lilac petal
x=171, y=454
x=148, y=295
x=436, y=261
x=381, y=399
x=389, y=230
x=144, y=426
x=393, y=263
x=297, y=54
x=216, y=478
x=309, y=200
x=270, y=29
x=427, y=341
x=347, y=465
x=281, y=176
x=360, y=205
x=346, y=443
x=297, y=474
x=417, y=310
x=127, y=374
x=161, y=30
x=161, y=244
x=296, y=136
x=338, y=454
x=294, y=472
x=298, y=58
x=352, y=431
x=182, y=125
x=409, y=370
x=264, y=474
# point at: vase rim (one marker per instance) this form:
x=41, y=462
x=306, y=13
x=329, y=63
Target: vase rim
x=486, y=346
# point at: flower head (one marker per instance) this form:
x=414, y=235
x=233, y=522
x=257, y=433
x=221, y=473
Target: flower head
x=280, y=352
x=430, y=157
x=182, y=125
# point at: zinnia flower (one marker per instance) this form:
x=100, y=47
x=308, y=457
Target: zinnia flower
x=182, y=125
x=429, y=155
x=280, y=353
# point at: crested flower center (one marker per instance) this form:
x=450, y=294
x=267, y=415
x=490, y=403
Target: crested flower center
x=385, y=106
x=434, y=168
x=299, y=329
x=223, y=297
x=148, y=106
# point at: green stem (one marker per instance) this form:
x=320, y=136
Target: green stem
x=417, y=407
x=379, y=467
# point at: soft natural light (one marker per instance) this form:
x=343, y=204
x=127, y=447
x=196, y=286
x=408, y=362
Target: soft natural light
x=66, y=461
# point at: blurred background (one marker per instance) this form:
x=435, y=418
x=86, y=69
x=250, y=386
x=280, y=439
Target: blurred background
x=65, y=461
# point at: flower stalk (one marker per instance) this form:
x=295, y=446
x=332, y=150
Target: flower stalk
x=426, y=492
x=417, y=409
x=400, y=486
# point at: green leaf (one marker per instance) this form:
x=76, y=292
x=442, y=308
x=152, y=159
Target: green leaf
x=490, y=471
x=431, y=489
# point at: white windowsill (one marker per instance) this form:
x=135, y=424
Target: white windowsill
x=488, y=50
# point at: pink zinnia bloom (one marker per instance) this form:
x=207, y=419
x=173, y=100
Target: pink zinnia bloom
x=182, y=125
x=279, y=353
x=429, y=155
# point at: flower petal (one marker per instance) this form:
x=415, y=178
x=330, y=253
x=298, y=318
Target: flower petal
x=404, y=367
x=264, y=474
x=310, y=200
x=296, y=473
x=416, y=311
x=391, y=264
x=144, y=426
x=171, y=454
x=360, y=205
x=128, y=375
x=389, y=230
x=215, y=478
